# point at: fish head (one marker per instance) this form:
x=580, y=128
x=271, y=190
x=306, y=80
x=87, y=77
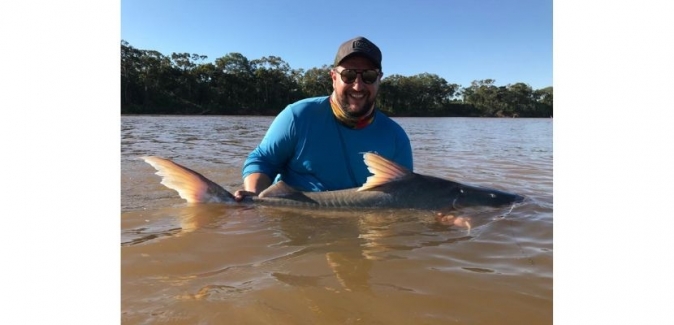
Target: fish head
x=471, y=196
x=446, y=194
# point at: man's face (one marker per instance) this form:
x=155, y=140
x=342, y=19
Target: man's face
x=357, y=98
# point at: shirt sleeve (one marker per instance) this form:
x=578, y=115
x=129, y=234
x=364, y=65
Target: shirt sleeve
x=275, y=149
x=404, y=155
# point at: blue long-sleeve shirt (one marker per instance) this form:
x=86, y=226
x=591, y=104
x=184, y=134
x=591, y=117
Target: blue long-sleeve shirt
x=307, y=148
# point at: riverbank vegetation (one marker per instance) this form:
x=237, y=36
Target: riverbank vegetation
x=183, y=83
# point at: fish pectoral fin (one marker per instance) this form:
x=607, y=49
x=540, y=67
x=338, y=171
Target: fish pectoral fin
x=383, y=171
x=281, y=190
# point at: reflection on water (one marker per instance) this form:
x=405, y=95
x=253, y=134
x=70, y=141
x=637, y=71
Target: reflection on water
x=229, y=264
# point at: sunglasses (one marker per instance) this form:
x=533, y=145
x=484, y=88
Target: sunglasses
x=349, y=76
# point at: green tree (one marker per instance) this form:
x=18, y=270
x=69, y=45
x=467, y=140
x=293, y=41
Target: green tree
x=543, y=98
x=274, y=83
x=235, y=83
x=316, y=81
x=152, y=83
x=482, y=94
x=130, y=79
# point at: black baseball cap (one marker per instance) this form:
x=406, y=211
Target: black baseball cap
x=359, y=45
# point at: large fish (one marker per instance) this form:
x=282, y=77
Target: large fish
x=390, y=186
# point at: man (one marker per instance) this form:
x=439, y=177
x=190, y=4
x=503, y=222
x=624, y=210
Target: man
x=316, y=144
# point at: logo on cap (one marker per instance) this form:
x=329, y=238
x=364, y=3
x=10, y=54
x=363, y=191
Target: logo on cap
x=362, y=45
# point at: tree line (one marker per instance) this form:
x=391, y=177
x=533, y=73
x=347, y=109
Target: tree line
x=182, y=83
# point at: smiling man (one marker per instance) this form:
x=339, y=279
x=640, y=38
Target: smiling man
x=317, y=144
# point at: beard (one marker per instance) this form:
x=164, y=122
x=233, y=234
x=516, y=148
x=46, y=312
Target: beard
x=355, y=112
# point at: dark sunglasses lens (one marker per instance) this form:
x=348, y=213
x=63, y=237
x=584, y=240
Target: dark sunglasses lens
x=349, y=76
x=369, y=76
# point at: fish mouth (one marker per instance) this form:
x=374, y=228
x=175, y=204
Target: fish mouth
x=510, y=198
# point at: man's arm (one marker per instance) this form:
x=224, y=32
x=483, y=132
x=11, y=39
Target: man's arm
x=253, y=184
x=269, y=157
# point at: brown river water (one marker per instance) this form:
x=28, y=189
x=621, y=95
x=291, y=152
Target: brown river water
x=219, y=264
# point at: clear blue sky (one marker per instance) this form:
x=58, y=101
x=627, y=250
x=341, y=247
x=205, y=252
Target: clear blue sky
x=460, y=40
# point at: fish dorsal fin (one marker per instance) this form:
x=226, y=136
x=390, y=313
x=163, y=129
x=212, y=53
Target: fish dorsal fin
x=279, y=189
x=383, y=171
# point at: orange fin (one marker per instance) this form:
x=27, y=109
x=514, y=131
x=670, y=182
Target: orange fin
x=190, y=185
x=383, y=171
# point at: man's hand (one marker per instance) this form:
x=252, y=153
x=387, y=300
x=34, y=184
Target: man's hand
x=240, y=194
x=253, y=184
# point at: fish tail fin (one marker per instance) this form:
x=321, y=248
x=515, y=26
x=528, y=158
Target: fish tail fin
x=190, y=185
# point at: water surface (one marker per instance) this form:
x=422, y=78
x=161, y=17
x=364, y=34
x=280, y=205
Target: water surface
x=183, y=264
